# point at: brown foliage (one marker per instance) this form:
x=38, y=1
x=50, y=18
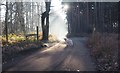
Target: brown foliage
x=104, y=47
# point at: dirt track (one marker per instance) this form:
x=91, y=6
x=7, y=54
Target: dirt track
x=57, y=58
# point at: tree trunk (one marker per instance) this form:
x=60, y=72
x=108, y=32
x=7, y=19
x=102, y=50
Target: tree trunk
x=45, y=26
x=6, y=22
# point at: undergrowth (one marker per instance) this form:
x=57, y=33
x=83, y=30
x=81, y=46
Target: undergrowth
x=104, y=48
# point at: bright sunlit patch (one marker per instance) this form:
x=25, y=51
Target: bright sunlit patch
x=56, y=5
x=55, y=48
x=66, y=7
x=50, y=49
x=58, y=21
x=61, y=39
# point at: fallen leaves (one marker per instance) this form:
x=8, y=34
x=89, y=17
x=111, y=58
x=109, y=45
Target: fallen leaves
x=104, y=48
x=11, y=50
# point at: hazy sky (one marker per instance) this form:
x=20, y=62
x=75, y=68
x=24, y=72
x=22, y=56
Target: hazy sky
x=58, y=21
x=2, y=12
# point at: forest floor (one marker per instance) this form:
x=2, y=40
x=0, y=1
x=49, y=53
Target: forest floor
x=104, y=48
x=58, y=57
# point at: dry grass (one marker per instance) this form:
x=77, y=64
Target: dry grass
x=104, y=48
x=13, y=38
x=18, y=43
x=52, y=38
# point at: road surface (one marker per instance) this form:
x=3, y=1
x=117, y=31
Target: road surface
x=57, y=58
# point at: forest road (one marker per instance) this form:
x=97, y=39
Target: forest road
x=58, y=58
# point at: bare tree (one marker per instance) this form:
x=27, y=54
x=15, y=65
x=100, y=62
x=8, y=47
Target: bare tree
x=45, y=26
x=6, y=22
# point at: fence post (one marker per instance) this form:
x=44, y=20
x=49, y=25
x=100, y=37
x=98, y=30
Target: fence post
x=37, y=33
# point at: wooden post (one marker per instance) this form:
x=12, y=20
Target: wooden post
x=37, y=33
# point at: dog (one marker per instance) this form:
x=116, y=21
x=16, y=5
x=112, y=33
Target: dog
x=69, y=42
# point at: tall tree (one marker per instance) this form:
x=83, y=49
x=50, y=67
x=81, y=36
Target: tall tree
x=45, y=26
x=6, y=22
x=92, y=16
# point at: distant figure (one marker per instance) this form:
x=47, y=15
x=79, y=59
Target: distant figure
x=69, y=42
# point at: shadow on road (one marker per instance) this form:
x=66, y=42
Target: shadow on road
x=57, y=58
